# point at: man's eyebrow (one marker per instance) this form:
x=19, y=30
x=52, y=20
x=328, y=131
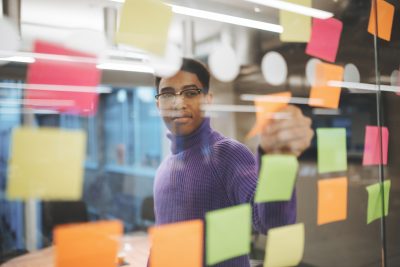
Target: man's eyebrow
x=189, y=86
x=168, y=89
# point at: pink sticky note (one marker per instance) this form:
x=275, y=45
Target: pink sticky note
x=372, y=154
x=66, y=86
x=325, y=37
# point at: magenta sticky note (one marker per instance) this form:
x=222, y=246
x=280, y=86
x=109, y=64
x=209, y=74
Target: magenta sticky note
x=372, y=154
x=67, y=86
x=325, y=38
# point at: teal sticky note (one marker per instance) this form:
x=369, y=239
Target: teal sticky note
x=332, y=153
x=375, y=195
x=277, y=178
x=228, y=233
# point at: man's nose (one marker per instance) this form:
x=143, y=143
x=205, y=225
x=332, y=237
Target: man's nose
x=179, y=101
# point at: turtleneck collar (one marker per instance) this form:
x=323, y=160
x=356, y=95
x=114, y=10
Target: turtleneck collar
x=180, y=143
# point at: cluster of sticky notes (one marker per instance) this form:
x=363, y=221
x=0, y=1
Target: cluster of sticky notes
x=277, y=178
x=323, y=94
x=93, y=244
x=378, y=200
x=46, y=163
x=285, y=246
x=296, y=27
x=376, y=145
x=332, y=200
x=144, y=24
x=266, y=107
x=228, y=233
x=332, y=152
x=325, y=38
x=385, y=13
x=67, y=86
x=177, y=245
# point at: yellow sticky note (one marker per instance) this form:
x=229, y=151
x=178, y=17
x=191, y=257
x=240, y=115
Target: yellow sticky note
x=93, y=244
x=46, y=163
x=332, y=200
x=144, y=24
x=323, y=95
x=296, y=28
x=285, y=246
x=385, y=19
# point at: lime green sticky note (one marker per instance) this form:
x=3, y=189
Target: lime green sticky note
x=332, y=153
x=285, y=246
x=46, y=163
x=277, y=178
x=296, y=27
x=375, y=194
x=144, y=24
x=228, y=233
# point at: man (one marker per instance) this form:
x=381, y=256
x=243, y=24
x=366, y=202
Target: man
x=207, y=171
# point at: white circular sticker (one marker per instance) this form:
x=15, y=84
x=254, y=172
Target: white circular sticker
x=274, y=68
x=223, y=63
x=310, y=70
x=351, y=73
x=87, y=41
x=168, y=65
x=394, y=78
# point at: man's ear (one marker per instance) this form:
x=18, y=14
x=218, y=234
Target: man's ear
x=209, y=98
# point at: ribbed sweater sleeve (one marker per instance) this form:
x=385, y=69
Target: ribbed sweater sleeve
x=237, y=168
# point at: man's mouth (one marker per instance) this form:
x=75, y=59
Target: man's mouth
x=182, y=119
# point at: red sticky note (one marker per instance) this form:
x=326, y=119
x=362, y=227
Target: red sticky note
x=385, y=19
x=372, y=147
x=177, y=245
x=93, y=244
x=325, y=38
x=322, y=95
x=71, y=85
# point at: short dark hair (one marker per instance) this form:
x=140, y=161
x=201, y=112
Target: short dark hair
x=195, y=67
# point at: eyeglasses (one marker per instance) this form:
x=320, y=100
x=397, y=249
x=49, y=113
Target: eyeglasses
x=169, y=97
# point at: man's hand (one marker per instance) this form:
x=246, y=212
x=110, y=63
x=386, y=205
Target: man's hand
x=291, y=135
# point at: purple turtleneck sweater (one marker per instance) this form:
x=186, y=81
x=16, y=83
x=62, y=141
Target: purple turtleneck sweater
x=207, y=171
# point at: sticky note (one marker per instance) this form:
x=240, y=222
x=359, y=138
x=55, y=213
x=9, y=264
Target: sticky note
x=277, y=178
x=93, y=244
x=332, y=200
x=375, y=196
x=332, y=153
x=46, y=163
x=64, y=86
x=285, y=246
x=144, y=24
x=177, y=245
x=385, y=19
x=372, y=147
x=296, y=28
x=266, y=106
x=325, y=38
x=321, y=94
x=228, y=233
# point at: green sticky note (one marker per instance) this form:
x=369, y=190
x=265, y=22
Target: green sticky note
x=277, y=178
x=145, y=24
x=296, y=27
x=375, y=194
x=332, y=153
x=228, y=233
x=285, y=246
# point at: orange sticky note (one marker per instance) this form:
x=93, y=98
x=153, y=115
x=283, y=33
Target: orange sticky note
x=93, y=244
x=321, y=94
x=332, y=200
x=385, y=19
x=177, y=245
x=266, y=106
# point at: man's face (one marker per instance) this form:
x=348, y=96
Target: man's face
x=183, y=114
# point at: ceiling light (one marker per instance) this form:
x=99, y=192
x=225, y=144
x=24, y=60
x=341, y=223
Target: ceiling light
x=18, y=59
x=226, y=19
x=295, y=8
